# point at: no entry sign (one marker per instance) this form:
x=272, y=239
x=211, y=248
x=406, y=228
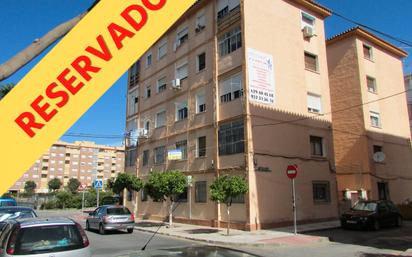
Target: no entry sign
x=292, y=171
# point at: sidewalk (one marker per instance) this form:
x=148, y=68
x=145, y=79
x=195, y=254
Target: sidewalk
x=281, y=236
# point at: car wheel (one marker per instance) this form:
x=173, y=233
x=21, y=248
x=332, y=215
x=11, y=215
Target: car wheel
x=87, y=226
x=130, y=230
x=343, y=225
x=399, y=221
x=101, y=230
x=376, y=225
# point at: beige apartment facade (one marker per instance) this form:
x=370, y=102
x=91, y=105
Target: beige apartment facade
x=370, y=117
x=408, y=88
x=237, y=88
x=83, y=160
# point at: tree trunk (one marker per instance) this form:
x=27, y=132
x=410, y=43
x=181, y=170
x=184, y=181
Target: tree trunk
x=37, y=47
x=228, y=219
x=171, y=214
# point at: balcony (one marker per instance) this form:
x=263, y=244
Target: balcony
x=225, y=20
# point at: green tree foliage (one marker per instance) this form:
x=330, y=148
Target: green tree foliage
x=5, y=89
x=225, y=188
x=126, y=181
x=73, y=185
x=166, y=185
x=54, y=184
x=64, y=199
x=29, y=187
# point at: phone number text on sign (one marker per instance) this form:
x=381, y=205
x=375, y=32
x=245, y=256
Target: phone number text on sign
x=261, y=77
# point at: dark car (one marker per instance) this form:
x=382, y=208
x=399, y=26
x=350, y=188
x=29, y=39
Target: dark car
x=16, y=212
x=372, y=215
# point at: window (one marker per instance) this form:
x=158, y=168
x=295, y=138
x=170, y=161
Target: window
x=134, y=74
x=201, y=146
x=238, y=199
x=162, y=49
x=201, y=62
x=200, y=22
x=231, y=88
x=314, y=103
x=371, y=82
x=181, y=111
x=367, y=52
x=145, y=157
x=148, y=59
x=182, y=36
x=182, y=71
x=147, y=126
x=129, y=197
x=131, y=157
x=143, y=195
x=231, y=138
x=321, y=191
x=308, y=20
x=316, y=146
x=383, y=190
x=311, y=62
x=200, y=192
x=159, y=157
x=182, y=197
x=200, y=102
x=161, y=85
x=182, y=146
x=375, y=119
x=132, y=102
x=160, y=119
x=377, y=148
x=222, y=13
x=230, y=42
x=147, y=92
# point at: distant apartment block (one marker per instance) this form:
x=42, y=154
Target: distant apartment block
x=370, y=124
x=408, y=88
x=232, y=88
x=83, y=160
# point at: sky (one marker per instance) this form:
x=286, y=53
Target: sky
x=22, y=21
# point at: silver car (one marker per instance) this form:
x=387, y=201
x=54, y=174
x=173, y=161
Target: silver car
x=41, y=237
x=110, y=217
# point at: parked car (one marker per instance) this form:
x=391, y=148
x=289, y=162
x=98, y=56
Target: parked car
x=372, y=214
x=7, y=202
x=16, y=212
x=110, y=200
x=40, y=237
x=110, y=217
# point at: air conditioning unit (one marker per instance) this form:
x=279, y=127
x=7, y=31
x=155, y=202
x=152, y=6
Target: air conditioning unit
x=199, y=28
x=143, y=133
x=176, y=84
x=308, y=32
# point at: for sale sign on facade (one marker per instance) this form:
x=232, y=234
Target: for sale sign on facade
x=261, y=77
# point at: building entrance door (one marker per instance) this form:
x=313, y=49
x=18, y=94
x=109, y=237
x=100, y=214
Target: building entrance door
x=383, y=190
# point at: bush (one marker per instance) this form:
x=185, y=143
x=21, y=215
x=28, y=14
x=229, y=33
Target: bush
x=49, y=205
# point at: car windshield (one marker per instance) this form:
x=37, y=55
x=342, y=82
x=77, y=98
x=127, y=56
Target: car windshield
x=8, y=214
x=118, y=211
x=365, y=206
x=48, y=239
x=7, y=203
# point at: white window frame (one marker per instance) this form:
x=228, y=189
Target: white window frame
x=157, y=125
x=200, y=21
x=179, y=67
x=375, y=88
x=198, y=62
x=146, y=89
x=370, y=51
x=132, y=102
x=158, y=85
x=183, y=32
x=313, y=109
x=233, y=87
x=180, y=106
x=309, y=17
x=147, y=59
x=162, y=45
x=199, y=95
x=375, y=114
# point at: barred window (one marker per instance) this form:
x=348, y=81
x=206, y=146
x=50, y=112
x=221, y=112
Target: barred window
x=143, y=195
x=130, y=159
x=159, y=157
x=145, y=157
x=230, y=41
x=316, y=146
x=321, y=191
x=231, y=138
x=200, y=192
x=201, y=147
x=182, y=197
x=182, y=146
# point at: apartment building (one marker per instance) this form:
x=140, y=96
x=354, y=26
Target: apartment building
x=235, y=87
x=83, y=160
x=408, y=88
x=370, y=117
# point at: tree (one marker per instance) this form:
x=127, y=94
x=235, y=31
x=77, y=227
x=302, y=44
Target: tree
x=225, y=188
x=166, y=185
x=73, y=185
x=29, y=187
x=5, y=89
x=126, y=181
x=64, y=199
x=54, y=184
x=38, y=46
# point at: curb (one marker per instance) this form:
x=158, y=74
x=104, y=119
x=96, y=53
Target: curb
x=209, y=241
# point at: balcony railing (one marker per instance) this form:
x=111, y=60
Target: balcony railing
x=228, y=19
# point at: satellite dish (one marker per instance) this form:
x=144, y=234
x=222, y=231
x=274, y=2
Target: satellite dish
x=379, y=157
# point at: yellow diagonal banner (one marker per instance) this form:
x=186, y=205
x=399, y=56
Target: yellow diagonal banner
x=74, y=74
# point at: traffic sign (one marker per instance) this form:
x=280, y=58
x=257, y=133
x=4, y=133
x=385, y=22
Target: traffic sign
x=82, y=186
x=98, y=183
x=292, y=171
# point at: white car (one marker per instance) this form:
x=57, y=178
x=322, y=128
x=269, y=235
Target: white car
x=41, y=237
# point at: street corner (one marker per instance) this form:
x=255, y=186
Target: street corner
x=294, y=240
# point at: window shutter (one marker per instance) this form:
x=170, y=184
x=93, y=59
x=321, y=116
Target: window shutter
x=314, y=103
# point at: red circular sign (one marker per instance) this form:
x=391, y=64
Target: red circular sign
x=292, y=171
